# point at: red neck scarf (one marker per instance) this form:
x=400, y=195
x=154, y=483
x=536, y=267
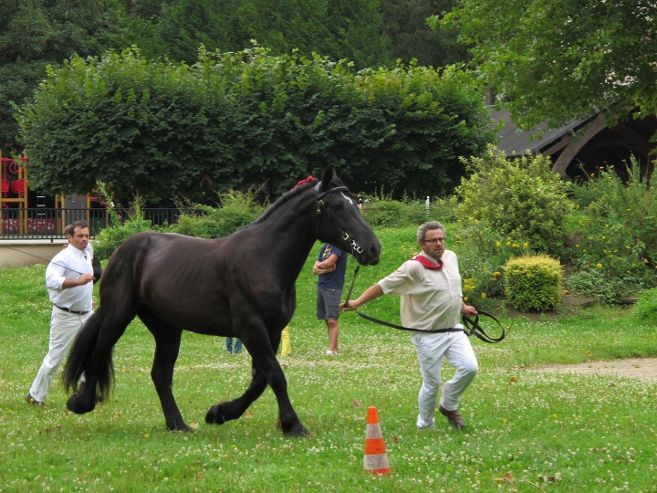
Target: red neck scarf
x=428, y=264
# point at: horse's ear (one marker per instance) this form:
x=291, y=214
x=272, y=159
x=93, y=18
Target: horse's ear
x=327, y=177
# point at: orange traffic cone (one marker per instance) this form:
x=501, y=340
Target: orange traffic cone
x=376, y=459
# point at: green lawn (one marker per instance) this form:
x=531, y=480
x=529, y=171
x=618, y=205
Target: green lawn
x=528, y=430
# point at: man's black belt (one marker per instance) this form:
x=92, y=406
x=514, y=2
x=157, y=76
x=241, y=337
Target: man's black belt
x=71, y=311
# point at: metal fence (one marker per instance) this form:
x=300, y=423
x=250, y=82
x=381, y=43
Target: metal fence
x=49, y=223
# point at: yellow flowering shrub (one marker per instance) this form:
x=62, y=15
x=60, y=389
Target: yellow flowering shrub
x=533, y=283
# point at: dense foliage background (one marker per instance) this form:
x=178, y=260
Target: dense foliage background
x=369, y=33
x=195, y=108
x=250, y=118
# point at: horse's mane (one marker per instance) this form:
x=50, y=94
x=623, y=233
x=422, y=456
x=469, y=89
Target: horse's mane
x=287, y=196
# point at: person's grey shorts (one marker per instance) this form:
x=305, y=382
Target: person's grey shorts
x=328, y=303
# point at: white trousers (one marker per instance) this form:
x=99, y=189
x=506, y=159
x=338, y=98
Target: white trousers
x=64, y=327
x=431, y=348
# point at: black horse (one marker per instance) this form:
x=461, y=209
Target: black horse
x=241, y=285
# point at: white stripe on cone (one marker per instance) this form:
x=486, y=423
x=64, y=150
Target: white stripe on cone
x=373, y=431
x=375, y=461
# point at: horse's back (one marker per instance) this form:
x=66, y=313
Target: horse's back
x=180, y=279
x=168, y=257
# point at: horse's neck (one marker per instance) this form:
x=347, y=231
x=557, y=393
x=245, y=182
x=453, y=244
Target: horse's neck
x=291, y=232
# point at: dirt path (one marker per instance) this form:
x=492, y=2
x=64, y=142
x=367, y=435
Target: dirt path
x=644, y=368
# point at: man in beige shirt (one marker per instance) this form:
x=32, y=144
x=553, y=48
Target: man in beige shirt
x=432, y=303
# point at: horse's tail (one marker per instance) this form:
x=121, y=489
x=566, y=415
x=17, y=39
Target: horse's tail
x=79, y=358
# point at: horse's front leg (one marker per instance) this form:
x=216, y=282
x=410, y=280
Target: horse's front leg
x=225, y=411
x=265, y=370
x=228, y=410
x=264, y=359
x=288, y=419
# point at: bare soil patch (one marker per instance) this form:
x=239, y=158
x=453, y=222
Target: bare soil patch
x=644, y=368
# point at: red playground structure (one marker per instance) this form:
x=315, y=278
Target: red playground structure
x=28, y=213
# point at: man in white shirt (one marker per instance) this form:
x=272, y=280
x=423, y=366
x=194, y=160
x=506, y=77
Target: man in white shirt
x=432, y=303
x=69, y=279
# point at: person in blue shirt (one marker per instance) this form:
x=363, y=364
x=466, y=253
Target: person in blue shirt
x=330, y=267
x=235, y=348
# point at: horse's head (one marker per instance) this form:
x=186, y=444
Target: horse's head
x=340, y=220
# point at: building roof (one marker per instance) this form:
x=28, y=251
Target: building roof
x=514, y=141
x=583, y=145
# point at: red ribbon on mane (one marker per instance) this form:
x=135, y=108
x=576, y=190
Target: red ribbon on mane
x=428, y=264
x=304, y=181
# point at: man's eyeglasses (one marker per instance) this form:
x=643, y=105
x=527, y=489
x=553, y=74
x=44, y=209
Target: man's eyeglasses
x=435, y=241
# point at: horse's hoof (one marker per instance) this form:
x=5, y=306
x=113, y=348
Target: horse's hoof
x=179, y=426
x=297, y=430
x=74, y=404
x=215, y=416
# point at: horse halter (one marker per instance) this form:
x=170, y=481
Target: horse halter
x=355, y=247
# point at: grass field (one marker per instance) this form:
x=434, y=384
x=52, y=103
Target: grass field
x=528, y=430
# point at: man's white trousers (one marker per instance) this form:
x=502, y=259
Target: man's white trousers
x=64, y=327
x=431, y=348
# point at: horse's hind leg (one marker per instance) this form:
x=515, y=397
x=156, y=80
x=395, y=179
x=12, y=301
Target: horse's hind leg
x=167, y=346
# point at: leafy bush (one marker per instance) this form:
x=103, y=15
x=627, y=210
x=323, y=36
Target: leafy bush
x=384, y=211
x=483, y=253
x=646, y=306
x=593, y=283
x=236, y=209
x=533, y=283
x=520, y=198
x=614, y=232
x=111, y=237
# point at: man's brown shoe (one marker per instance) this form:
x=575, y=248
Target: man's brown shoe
x=454, y=418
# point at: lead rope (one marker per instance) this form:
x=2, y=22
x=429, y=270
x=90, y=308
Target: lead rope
x=42, y=258
x=471, y=323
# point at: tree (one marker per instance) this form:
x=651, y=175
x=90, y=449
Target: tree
x=556, y=60
x=186, y=24
x=34, y=33
x=147, y=10
x=411, y=37
x=350, y=29
x=357, y=26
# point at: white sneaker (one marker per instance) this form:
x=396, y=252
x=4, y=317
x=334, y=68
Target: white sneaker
x=420, y=424
x=331, y=353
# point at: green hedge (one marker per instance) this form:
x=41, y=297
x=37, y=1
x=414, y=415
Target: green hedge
x=233, y=120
